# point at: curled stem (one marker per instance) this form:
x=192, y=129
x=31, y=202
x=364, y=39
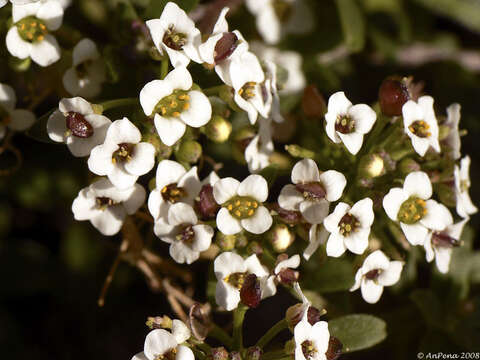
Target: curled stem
x=272, y=332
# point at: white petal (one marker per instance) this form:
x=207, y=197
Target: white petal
x=170, y=130
x=100, y=160
x=317, y=236
x=392, y=202
x=158, y=342
x=45, y=52
x=140, y=356
x=376, y=260
x=353, y=141
x=169, y=172
x=180, y=214
x=83, y=207
x=143, y=159
x=191, y=184
x=135, y=200
x=7, y=97
x=391, y=275
x=203, y=237
x=86, y=49
x=418, y=183
x=438, y=217
x=123, y=131
x=157, y=32
x=51, y=12
x=179, y=78
x=357, y=242
x=178, y=59
x=268, y=25
x=184, y=353
x=358, y=280
x=290, y=198
x=56, y=126
x=363, y=211
x=314, y=211
x=120, y=178
x=21, y=119
x=254, y=186
x=321, y=337
x=228, y=263
x=291, y=263
x=155, y=203
x=163, y=230
x=415, y=233
x=225, y=189
x=109, y=221
x=442, y=259
x=364, y=117
x=429, y=252
x=254, y=266
x=226, y=296
x=27, y=9
x=16, y=45
x=228, y=224
x=335, y=245
x=181, y=252
x=305, y=171
x=332, y=221
x=302, y=331
x=338, y=104
x=199, y=112
x=334, y=183
x=75, y=104
x=180, y=331
x=260, y=222
x=371, y=292
x=152, y=93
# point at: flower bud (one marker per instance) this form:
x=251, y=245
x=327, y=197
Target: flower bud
x=225, y=242
x=219, y=353
x=294, y=315
x=288, y=276
x=251, y=293
x=218, y=129
x=334, y=348
x=189, y=152
x=408, y=165
x=219, y=107
x=19, y=65
x=287, y=216
x=392, y=95
x=313, y=103
x=280, y=237
x=159, y=322
x=253, y=353
x=235, y=355
x=372, y=166
x=206, y=204
x=298, y=151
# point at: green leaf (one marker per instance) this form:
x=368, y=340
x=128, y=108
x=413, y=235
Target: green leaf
x=353, y=24
x=39, y=130
x=331, y=276
x=155, y=8
x=358, y=331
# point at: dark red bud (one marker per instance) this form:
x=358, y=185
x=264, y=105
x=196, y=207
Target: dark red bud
x=225, y=46
x=442, y=239
x=334, y=348
x=314, y=190
x=250, y=293
x=313, y=103
x=206, y=205
x=287, y=216
x=392, y=95
x=78, y=125
x=288, y=276
x=313, y=315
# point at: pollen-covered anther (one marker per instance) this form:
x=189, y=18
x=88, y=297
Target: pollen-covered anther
x=104, y=202
x=174, y=40
x=174, y=104
x=312, y=190
x=348, y=224
x=345, y=124
x=420, y=128
x=186, y=235
x=173, y=193
x=247, y=91
x=412, y=210
x=123, y=154
x=236, y=279
x=308, y=349
x=242, y=207
x=32, y=29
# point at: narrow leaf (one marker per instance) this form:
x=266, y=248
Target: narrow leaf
x=353, y=24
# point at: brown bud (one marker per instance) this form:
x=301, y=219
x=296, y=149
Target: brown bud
x=78, y=125
x=392, y=95
x=250, y=293
x=206, y=204
x=334, y=348
x=225, y=46
x=294, y=315
x=253, y=353
x=199, y=320
x=313, y=103
x=288, y=276
x=219, y=353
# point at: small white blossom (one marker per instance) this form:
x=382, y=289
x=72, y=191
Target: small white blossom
x=317, y=235
x=311, y=341
x=312, y=192
x=30, y=34
x=465, y=206
x=453, y=139
x=231, y=270
x=421, y=125
x=175, y=105
x=86, y=76
x=349, y=227
x=106, y=206
x=242, y=205
x=270, y=91
x=10, y=117
x=376, y=272
x=413, y=208
x=76, y=124
x=259, y=150
x=187, y=238
x=348, y=123
x=122, y=157
x=175, y=33
x=439, y=245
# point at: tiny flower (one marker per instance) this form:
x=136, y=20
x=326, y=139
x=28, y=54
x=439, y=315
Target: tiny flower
x=30, y=34
x=453, y=139
x=242, y=205
x=317, y=235
x=122, y=157
x=76, y=124
x=87, y=74
x=187, y=238
x=439, y=244
x=311, y=341
x=259, y=150
x=284, y=269
x=231, y=271
x=14, y=119
x=349, y=227
x=421, y=124
x=348, y=123
x=176, y=34
x=465, y=207
x=312, y=192
x=173, y=184
x=175, y=105
x=106, y=206
x=376, y=272
x=413, y=208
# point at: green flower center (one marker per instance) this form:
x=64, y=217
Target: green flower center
x=123, y=154
x=412, y=210
x=174, y=40
x=173, y=104
x=103, y=202
x=344, y=124
x=348, y=224
x=242, y=207
x=32, y=29
x=236, y=279
x=173, y=193
x=283, y=10
x=247, y=91
x=308, y=349
x=420, y=128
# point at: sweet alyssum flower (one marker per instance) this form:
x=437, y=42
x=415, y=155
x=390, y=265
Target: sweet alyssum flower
x=231, y=271
x=421, y=124
x=465, y=207
x=14, y=119
x=311, y=341
x=440, y=244
x=122, y=157
x=317, y=235
x=86, y=76
x=175, y=33
x=175, y=105
x=76, y=124
x=413, y=208
x=284, y=269
x=30, y=34
x=242, y=205
x=312, y=192
x=376, y=272
x=106, y=206
x=187, y=238
x=348, y=123
x=453, y=139
x=260, y=148
x=349, y=227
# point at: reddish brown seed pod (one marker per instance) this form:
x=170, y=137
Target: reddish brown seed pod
x=225, y=46
x=206, y=204
x=392, y=95
x=78, y=125
x=334, y=348
x=250, y=293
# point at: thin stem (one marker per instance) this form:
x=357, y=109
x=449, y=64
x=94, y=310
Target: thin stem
x=198, y=354
x=238, y=316
x=273, y=355
x=214, y=90
x=164, y=67
x=110, y=104
x=218, y=333
x=270, y=334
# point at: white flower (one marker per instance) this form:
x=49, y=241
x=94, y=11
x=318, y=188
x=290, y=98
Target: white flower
x=174, y=105
x=271, y=97
x=87, y=74
x=2, y=3
x=106, y=206
x=311, y=341
x=376, y=272
x=14, y=119
x=284, y=269
x=349, y=227
x=413, y=208
x=222, y=46
x=259, y=150
x=317, y=235
x=312, y=192
x=289, y=67
x=173, y=184
x=439, y=245
x=421, y=124
x=176, y=34
x=274, y=18
x=231, y=270
x=465, y=207
x=453, y=139
x=160, y=343
x=122, y=157
x=188, y=238
x=76, y=124
x=30, y=35
x=242, y=205
x=348, y=123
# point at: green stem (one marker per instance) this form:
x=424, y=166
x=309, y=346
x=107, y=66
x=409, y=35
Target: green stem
x=214, y=90
x=164, y=67
x=110, y=104
x=218, y=333
x=198, y=354
x=238, y=316
x=273, y=355
x=201, y=345
x=270, y=334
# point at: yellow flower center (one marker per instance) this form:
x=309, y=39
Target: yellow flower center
x=242, y=207
x=173, y=193
x=248, y=90
x=173, y=105
x=32, y=29
x=420, y=128
x=412, y=210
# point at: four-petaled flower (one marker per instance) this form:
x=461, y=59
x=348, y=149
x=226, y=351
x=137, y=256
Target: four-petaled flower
x=465, y=206
x=311, y=341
